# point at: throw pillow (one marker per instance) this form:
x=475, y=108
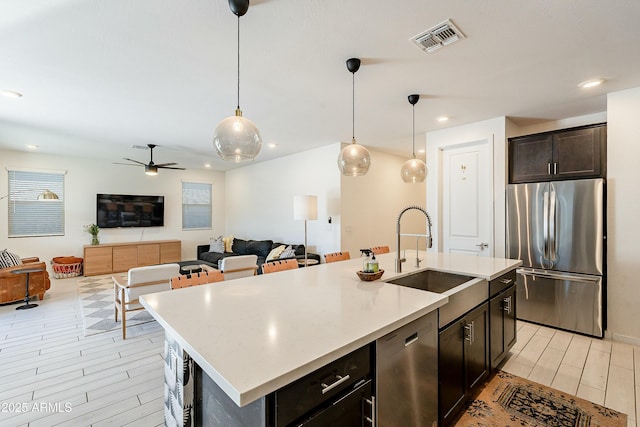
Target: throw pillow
x=217, y=245
x=275, y=252
x=259, y=247
x=228, y=242
x=288, y=253
x=8, y=259
x=239, y=246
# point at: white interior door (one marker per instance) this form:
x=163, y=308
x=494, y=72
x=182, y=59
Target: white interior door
x=467, y=198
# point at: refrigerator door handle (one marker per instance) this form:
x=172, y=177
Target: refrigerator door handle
x=552, y=227
x=557, y=276
x=545, y=223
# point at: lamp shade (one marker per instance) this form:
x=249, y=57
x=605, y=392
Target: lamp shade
x=237, y=139
x=413, y=171
x=354, y=160
x=48, y=195
x=305, y=207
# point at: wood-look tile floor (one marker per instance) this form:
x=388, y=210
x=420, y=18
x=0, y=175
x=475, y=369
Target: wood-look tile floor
x=601, y=371
x=51, y=374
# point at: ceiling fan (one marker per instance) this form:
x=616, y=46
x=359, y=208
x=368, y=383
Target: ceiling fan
x=151, y=168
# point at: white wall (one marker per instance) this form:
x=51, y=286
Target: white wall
x=259, y=199
x=84, y=179
x=623, y=212
x=371, y=204
x=492, y=130
x=551, y=125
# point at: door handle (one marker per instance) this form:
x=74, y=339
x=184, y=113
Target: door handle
x=506, y=304
x=341, y=379
x=552, y=227
x=482, y=245
x=372, y=418
x=545, y=223
x=469, y=327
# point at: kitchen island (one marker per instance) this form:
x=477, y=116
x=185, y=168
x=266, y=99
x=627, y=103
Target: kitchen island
x=254, y=336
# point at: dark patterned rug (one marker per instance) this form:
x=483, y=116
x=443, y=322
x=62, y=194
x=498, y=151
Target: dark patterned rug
x=96, y=303
x=507, y=400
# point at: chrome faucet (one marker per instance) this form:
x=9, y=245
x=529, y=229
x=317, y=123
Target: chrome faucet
x=400, y=260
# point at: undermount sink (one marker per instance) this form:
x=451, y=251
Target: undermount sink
x=473, y=293
x=431, y=280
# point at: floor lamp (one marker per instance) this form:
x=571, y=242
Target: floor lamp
x=305, y=208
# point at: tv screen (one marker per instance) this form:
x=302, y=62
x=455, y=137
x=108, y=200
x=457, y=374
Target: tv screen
x=124, y=210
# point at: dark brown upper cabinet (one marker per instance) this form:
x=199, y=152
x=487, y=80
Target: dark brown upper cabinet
x=566, y=154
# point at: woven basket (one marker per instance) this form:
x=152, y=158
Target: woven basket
x=66, y=266
x=369, y=277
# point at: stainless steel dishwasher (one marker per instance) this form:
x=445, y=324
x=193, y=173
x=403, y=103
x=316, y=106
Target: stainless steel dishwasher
x=407, y=374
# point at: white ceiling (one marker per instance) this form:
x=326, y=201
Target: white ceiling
x=99, y=76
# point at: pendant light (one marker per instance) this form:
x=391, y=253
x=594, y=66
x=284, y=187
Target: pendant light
x=413, y=170
x=354, y=159
x=236, y=138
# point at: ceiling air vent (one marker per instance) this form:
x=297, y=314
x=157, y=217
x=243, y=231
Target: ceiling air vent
x=439, y=36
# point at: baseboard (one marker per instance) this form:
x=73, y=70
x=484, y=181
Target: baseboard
x=622, y=338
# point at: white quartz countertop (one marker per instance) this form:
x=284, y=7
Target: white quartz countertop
x=255, y=335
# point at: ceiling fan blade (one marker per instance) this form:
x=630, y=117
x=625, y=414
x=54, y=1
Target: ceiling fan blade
x=135, y=161
x=165, y=167
x=161, y=165
x=126, y=164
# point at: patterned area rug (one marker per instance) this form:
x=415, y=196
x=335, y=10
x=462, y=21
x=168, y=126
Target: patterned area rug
x=96, y=303
x=508, y=400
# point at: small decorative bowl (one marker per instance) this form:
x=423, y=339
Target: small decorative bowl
x=370, y=277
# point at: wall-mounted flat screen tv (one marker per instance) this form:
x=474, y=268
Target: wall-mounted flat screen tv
x=127, y=210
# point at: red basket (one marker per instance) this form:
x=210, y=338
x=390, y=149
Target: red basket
x=66, y=266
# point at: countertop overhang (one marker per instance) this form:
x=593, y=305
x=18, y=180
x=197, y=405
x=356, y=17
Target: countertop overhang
x=255, y=335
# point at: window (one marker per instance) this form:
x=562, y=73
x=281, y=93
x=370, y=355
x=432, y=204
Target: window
x=196, y=205
x=36, y=203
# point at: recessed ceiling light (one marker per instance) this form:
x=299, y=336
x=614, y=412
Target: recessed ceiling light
x=442, y=119
x=32, y=146
x=11, y=94
x=271, y=145
x=207, y=165
x=591, y=83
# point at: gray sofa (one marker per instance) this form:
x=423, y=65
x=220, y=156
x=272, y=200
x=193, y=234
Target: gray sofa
x=261, y=248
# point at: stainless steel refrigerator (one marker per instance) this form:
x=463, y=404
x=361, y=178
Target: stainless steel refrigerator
x=557, y=229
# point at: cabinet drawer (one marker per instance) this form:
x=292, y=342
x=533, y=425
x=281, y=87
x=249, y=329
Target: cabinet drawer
x=501, y=283
x=311, y=391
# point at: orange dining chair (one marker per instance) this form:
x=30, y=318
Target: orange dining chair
x=336, y=256
x=380, y=250
x=210, y=276
x=279, y=265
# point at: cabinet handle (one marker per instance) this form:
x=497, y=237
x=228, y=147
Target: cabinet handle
x=555, y=168
x=411, y=339
x=506, y=304
x=372, y=418
x=506, y=281
x=341, y=379
x=548, y=168
x=469, y=327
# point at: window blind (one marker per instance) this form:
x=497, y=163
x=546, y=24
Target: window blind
x=196, y=205
x=29, y=216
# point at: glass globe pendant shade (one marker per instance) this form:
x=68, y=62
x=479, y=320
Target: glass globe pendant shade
x=354, y=160
x=237, y=139
x=413, y=171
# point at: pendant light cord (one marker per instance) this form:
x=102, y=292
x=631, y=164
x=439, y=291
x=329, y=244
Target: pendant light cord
x=353, y=107
x=413, y=149
x=238, y=62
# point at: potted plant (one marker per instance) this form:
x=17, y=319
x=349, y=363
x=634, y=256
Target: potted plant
x=93, y=229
